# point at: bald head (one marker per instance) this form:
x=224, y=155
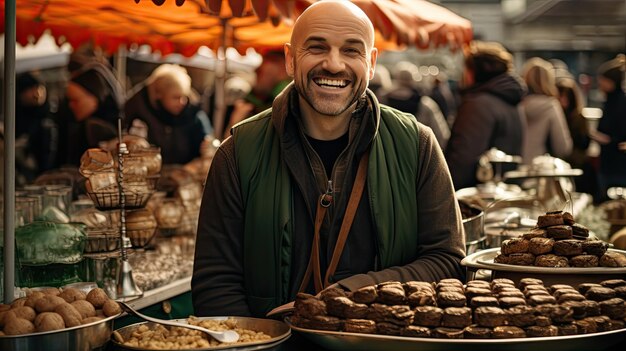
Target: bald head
x=339, y=10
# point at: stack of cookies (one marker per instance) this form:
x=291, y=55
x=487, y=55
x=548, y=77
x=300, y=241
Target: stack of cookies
x=478, y=310
x=557, y=241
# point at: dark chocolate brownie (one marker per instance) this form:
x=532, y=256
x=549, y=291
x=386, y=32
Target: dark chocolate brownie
x=470, y=292
x=569, y=247
x=378, y=312
x=613, y=283
x=476, y=332
x=595, y=247
x=524, y=282
x=549, y=220
x=508, y=332
x=447, y=333
x=568, y=218
x=450, y=299
x=428, y=316
x=479, y=301
x=490, y=316
x=356, y=311
x=559, y=232
x=367, y=295
x=421, y=298
x=337, y=306
x=535, y=233
x=578, y=308
x=522, y=259
x=536, y=300
x=540, y=246
x=537, y=331
x=330, y=293
x=582, y=288
x=322, y=323
x=559, y=314
x=457, y=317
x=613, y=308
x=508, y=302
x=584, y=261
x=400, y=315
x=416, y=331
x=391, y=294
x=579, y=231
x=600, y=294
x=567, y=329
x=389, y=328
x=515, y=245
x=413, y=286
x=551, y=260
x=521, y=316
x=620, y=292
x=308, y=306
x=363, y=326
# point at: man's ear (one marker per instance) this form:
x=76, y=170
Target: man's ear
x=373, y=58
x=289, y=60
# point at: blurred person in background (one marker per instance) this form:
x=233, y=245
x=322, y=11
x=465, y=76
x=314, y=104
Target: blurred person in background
x=488, y=115
x=237, y=109
x=406, y=96
x=94, y=99
x=571, y=100
x=547, y=131
x=36, y=132
x=611, y=131
x=271, y=79
x=381, y=83
x=442, y=94
x=166, y=113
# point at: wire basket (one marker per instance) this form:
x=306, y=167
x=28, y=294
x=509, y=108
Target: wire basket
x=111, y=200
x=140, y=237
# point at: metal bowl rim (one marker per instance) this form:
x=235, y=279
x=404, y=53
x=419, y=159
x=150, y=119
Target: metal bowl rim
x=107, y=319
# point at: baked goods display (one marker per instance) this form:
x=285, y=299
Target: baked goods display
x=449, y=309
x=557, y=241
x=55, y=309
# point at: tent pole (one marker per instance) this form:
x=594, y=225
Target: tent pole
x=9, y=151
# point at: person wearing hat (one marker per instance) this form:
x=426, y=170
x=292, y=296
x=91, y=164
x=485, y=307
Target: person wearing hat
x=611, y=131
x=36, y=133
x=488, y=116
x=93, y=99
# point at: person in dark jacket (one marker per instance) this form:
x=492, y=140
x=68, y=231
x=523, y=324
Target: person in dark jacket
x=259, y=243
x=93, y=97
x=488, y=115
x=163, y=113
x=611, y=131
x=36, y=132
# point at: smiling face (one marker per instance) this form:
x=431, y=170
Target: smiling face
x=331, y=57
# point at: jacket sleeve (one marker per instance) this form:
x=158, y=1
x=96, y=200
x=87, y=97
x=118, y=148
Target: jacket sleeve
x=217, y=282
x=441, y=238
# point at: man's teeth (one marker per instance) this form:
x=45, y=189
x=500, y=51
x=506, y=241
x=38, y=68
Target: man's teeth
x=338, y=83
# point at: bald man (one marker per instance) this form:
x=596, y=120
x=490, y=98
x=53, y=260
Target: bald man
x=281, y=211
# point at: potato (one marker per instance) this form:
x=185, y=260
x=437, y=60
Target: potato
x=70, y=314
x=111, y=308
x=19, y=302
x=25, y=312
x=48, y=303
x=51, y=291
x=48, y=321
x=4, y=307
x=32, y=298
x=18, y=326
x=85, y=309
x=70, y=295
x=97, y=297
x=3, y=315
x=91, y=320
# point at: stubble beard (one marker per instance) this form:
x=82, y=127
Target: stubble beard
x=331, y=106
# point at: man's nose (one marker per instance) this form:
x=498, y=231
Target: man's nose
x=334, y=62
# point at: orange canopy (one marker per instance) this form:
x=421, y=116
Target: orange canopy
x=183, y=26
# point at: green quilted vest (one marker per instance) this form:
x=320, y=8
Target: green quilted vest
x=267, y=197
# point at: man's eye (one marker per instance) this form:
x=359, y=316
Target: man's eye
x=316, y=48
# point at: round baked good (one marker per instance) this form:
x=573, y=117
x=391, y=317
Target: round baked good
x=568, y=218
x=457, y=317
x=511, y=293
x=71, y=316
x=613, y=283
x=490, y=316
x=568, y=247
x=584, y=326
x=450, y=299
x=540, y=246
x=367, y=295
x=399, y=314
x=71, y=294
x=558, y=292
x=484, y=301
x=337, y=306
x=331, y=292
x=508, y=302
x=472, y=292
x=97, y=297
x=570, y=297
x=17, y=326
x=515, y=245
x=413, y=286
x=592, y=308
x=386, y=328
x=508, y=332
x=305, y=306
x=579, y=231
x=584, y=261
x=447, y=333
x=551, y=260
x=32, y=298
x=578, y=308
x=450, y=281
x=416, y=331
x=521, y=259
x=391, y=294
x=476, y=332
x=558, y=314
x=450, y=288
x=600, y=294
x=24, y=312
x=613, y=308
x=502, y=281
x=48, y=303
x=48, y=321
x=620, y=292
x=422, y=298
x=603, y=323
x=84, y=308
x=550, y=219
x=537, y=331
x=478, y=284
x=555, y=287
x=503, y=286
x=363, y=326
x=612, y=259
x=535, y=233
x=534, y=288
x=542, y=321
x=428, y=316
x=500, y=258
x=322, y=323
x=535, y=300
x=567, y=329
x=112, y=308
x=583, y=287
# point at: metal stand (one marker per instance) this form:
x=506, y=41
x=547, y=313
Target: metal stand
x=126, y=286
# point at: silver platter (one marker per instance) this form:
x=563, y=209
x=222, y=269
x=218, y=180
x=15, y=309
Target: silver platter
x=277, y=330
x=343, y=341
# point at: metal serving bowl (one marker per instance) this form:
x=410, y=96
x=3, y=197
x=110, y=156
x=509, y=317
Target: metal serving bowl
x=87, y=337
